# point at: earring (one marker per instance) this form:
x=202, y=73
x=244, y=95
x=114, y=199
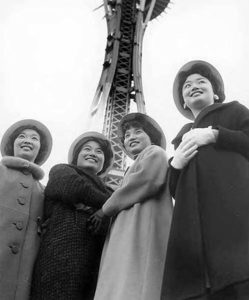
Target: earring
x=216, y=97
x=184, y=105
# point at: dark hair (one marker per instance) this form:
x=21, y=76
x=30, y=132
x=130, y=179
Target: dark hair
x=10, y=145
x=153, y=134
x=104, y=146
x=204, y=71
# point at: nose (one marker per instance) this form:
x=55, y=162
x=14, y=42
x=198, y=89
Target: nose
x=194, y=86
x=132, y=136
x=92, y=153
x=28, y=140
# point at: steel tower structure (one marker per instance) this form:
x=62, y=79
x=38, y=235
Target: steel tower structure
x=120, y=83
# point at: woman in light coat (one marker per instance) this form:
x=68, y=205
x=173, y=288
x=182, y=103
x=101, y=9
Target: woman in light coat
x=135, y=248
x=208, y=257
x=25, y=146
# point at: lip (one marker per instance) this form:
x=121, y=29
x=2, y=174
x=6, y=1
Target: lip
x=92, y=159
x=133, y=143
x=25, y=147
x=195, y=93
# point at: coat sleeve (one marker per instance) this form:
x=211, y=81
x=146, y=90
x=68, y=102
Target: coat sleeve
x=173, y=179
x=66, y=185
x=236, y=139
x=145, y=182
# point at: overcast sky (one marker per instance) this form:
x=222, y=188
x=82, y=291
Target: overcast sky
x=52, y=51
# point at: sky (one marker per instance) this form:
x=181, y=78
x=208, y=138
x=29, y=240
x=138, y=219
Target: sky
x=52, y=51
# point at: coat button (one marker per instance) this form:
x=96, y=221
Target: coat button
x=14, y=248
x=19, y=225
x=21, y=200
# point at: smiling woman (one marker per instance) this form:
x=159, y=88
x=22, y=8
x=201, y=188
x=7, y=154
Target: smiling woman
x=68, y=261
x=27, y=144
x=91, y=157
x=209, y=177
x=24, y=146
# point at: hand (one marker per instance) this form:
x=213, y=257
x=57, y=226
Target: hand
x=183, y=154
x=95, y=221
x=201, y=136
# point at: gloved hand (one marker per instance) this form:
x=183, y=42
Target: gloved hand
x=201, y=136
x=183, y=154
x=95, y=221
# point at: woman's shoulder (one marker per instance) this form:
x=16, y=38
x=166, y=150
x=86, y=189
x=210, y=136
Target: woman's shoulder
x=153, y=150
x=60, y=169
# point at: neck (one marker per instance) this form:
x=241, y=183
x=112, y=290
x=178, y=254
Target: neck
x=196, y=111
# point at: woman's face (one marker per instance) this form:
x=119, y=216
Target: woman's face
x=27, y=145
x=91, y=157
x=197, y=92
x=136, y=140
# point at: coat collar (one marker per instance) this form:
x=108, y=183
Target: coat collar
x=202, y=114
x=210, y=108
x=20, y=163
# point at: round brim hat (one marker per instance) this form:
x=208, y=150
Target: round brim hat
x=7, y=143
x=216, y=80
x=145, y=121
x=82, y=139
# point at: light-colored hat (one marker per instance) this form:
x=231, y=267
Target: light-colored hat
x=88, y=136
x=151, y=127
x=7, y=143
x=200, y=67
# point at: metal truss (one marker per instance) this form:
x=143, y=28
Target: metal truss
x=121, y=81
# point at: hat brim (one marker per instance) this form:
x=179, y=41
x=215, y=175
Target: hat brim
x=7, y=142
x=80, y=140
x=176, y=85
x=140, y=117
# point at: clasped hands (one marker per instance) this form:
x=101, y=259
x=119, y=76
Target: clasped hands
x=190, y=143
x=95, y=221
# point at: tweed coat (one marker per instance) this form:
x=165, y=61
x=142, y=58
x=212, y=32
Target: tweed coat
x=208, y=244
x=21, y=207
x=135, y=249
x=68, y=261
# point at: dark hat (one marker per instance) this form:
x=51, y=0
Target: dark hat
x=7, y=143
x=95, y=136
x=150, y=126
x=196, y=67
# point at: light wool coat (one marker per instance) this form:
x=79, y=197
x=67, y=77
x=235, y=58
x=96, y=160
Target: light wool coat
x=134, y=254
x=21, y=204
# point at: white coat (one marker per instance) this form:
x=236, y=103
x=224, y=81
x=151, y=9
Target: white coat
x=134, y=254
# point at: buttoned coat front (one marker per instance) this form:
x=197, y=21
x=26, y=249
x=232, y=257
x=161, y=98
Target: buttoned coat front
x=21, y=205
x=135, y=250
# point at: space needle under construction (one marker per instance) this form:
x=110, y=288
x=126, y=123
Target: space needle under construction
x=121, y=81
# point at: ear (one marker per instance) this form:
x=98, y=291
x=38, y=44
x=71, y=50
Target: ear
x=216, y=97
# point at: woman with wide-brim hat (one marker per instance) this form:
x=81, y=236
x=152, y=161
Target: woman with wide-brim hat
x=133, y=258
x=24, y=146
x=68, y=261
x=208, y=254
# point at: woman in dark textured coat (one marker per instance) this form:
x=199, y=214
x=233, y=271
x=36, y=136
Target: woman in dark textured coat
x=68, y=261
x=208, y=250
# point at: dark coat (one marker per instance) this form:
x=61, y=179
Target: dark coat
x=209, y=239
x=68, y=261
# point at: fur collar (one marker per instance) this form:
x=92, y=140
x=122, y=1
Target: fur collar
x=20, y=163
